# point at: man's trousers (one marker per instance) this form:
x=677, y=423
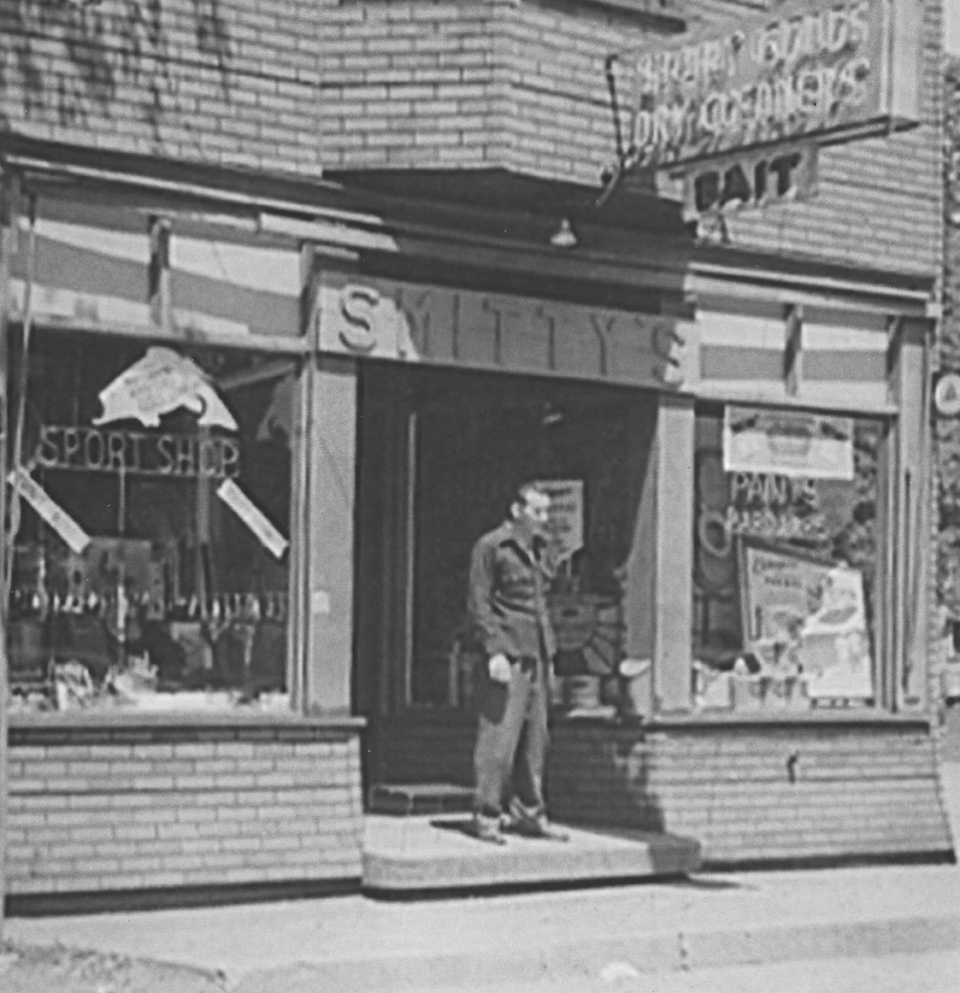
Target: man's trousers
x=512, y=738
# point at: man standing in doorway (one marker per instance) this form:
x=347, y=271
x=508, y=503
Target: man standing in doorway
x=509, y=574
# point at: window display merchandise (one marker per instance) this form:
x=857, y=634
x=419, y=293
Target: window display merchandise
x=786, y=551
x=151, y=513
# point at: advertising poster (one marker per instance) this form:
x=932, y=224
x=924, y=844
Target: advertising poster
x=565, y=526
x=815, y=607
x=787, y=443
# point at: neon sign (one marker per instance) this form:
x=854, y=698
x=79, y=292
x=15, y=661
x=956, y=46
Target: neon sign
x=813, y=69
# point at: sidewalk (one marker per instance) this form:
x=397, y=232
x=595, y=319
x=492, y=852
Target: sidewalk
x=352, y=944
x=355, y=944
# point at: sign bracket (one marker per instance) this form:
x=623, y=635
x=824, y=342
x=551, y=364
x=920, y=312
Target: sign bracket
x=626, y=157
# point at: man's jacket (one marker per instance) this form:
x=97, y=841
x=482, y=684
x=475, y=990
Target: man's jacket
x=507, y=595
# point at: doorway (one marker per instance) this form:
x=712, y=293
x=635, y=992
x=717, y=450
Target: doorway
x=441, y=453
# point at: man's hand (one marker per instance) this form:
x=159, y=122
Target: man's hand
x=499, y=668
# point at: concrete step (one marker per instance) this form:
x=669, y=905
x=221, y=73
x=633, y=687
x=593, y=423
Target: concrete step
x=424, y=855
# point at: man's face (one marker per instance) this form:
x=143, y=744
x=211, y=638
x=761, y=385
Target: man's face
x=533, y=513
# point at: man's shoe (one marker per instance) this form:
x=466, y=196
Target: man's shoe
x=534, y=824
x=488, y=829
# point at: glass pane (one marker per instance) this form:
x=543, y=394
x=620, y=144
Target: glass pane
x=785, y=578
x=150, y=565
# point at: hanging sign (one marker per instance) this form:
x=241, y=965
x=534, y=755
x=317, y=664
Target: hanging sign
x=49, y=510
x=253, y=517
x=833, y=71
x=788, y=443
x=565, y=523
x=757, y=179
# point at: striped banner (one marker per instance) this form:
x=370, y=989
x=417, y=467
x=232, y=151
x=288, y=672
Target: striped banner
x=87, y=273
x=842, y=358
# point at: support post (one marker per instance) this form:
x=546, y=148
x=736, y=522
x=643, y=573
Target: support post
x=9, y=190
x=912, y=524
x=158, y=278
x=793, y=349
x=330, y=566
x=330, y=488
x=673, y=579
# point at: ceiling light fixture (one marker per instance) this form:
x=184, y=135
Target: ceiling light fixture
x=564, y=236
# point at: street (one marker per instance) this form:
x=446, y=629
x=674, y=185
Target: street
x=937, y=973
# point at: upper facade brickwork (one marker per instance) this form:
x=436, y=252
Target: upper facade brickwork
x=520, y=84
x=227, y=82
x=880, y=200
x=307, y=86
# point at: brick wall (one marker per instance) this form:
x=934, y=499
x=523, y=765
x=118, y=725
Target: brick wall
x=518, y=85
x=226, y=82
x=413, y=84
x=867, y=790
x=749, y=795
x=879, y=200
x=121, y=809
x=946, y=439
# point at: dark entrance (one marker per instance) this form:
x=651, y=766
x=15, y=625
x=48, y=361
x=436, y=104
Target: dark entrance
x=441, y=453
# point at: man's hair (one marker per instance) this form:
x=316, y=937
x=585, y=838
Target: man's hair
x=522, y=494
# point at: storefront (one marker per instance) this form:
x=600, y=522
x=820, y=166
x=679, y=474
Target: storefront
x=245, y=520
x=266, y=392
x=741, y=609
x=167, y=731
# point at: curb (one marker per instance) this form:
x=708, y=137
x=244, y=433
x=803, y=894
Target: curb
x=645, y=953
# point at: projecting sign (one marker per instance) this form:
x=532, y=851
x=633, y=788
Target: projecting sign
x=808, y=69
x=751, y=179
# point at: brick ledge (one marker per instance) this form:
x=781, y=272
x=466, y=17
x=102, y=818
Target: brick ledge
x=448, y=716
x=172, y=897
x=144, y=720
x=773, y=719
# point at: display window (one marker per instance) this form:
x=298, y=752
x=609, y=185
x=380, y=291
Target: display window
x=787, y=529
x=151, y=520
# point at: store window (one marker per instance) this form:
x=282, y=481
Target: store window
x=786, y=535
x=150, y=565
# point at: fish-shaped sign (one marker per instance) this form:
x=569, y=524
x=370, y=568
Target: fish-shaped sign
x=160, y=383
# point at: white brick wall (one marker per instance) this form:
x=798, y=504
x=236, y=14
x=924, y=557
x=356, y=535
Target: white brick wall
x=128, y=814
